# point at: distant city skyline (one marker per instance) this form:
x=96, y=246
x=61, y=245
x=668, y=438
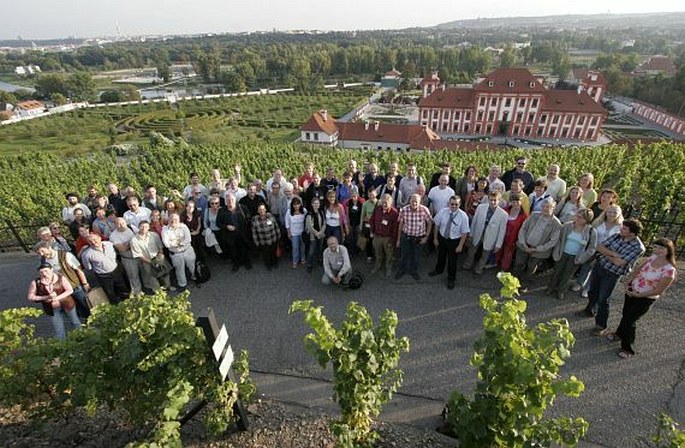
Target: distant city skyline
x=48, y=19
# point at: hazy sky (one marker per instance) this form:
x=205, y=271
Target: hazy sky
x=39, y=19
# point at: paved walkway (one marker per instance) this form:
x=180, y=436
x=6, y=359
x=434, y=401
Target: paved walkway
x=622, y=398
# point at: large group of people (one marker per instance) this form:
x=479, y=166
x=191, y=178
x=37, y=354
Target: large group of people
x=565, y=233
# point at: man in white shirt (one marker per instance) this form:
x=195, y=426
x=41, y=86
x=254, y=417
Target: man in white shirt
x=278, y=178
x=449, y=236
x=440, y=195
x=176, y=238
x=72, y=204
x=194, y=181
x=121, y=238
x=147, y=247
x=556, y=186
x=136, y=213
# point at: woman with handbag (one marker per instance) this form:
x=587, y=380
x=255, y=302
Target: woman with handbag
x=54, y=292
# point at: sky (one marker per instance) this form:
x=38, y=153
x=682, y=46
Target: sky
x=44, y=19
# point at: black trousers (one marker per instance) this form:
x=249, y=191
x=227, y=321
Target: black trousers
x=633, y=309
x=447, y=254
x=238, y=249
x=114, y=284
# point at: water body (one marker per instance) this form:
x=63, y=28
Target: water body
x=7, y=87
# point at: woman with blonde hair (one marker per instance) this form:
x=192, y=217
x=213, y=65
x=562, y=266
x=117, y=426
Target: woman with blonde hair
x=586, y=183
x=609, y=224
x=568, y=205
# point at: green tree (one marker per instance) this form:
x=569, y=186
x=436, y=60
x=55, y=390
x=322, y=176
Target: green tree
x=508, y=57
x=81, y=86
x=50, y=83
x=7, y=97
x=112, y=96
x=58, y=99
x=233, y=81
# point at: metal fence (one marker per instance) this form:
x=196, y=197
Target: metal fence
x=17, y=237
x=668, y=224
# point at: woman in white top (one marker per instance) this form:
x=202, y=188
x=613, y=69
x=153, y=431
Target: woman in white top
x=569, y=205
x=644, y=285
x=336, y=218
x=294, y=224
x=608, y=226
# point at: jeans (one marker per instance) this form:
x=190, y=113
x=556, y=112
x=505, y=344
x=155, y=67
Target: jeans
x=584, y=273
x=410, y=248
x=181, y=261
x=633, y=309
x=335, y=231
x=602, y=283
x=314, y=253
x=81, y=298
x=58, y=321
x=297, y=249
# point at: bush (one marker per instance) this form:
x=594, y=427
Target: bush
x=668, y=435
x=364, y=360
x=518, y=379
x=144, y=356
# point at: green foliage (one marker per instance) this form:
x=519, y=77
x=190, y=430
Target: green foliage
x=144, y=356
x=364, y=360
x=518, y=379
x=668, y=434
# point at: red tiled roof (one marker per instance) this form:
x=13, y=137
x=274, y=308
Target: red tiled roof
x=571, y=101
x=503, y=77
x=386, y=132
x=469, y=146
x=320, y=121
x=30, y=104
x=453, y=97
x=658, y=63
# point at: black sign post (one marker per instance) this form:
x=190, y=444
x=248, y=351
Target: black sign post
x=222, y=353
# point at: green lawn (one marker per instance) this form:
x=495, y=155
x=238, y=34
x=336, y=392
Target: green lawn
x=270, y=118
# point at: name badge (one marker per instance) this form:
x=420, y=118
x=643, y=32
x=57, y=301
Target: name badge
x=384, y=222
x=354, y=207
x=269, y=223
x=339, y=263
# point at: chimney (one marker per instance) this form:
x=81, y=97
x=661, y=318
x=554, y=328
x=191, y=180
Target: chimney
x=366, y=125
x=324, y=114
x=442, y=86
x=376, y=125
x=580, y=89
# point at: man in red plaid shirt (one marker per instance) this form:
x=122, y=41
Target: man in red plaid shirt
x=415, y=223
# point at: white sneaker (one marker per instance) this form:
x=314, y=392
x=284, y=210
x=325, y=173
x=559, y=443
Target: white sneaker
x=584, y=294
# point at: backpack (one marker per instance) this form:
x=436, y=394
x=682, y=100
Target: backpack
x=202, y=272
x=356, y=281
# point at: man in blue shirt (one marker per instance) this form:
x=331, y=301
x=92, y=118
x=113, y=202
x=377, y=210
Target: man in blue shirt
x=617, y=256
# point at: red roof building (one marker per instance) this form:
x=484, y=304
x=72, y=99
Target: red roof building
x=656, y=65
x=512, y=102
x=376, y=135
